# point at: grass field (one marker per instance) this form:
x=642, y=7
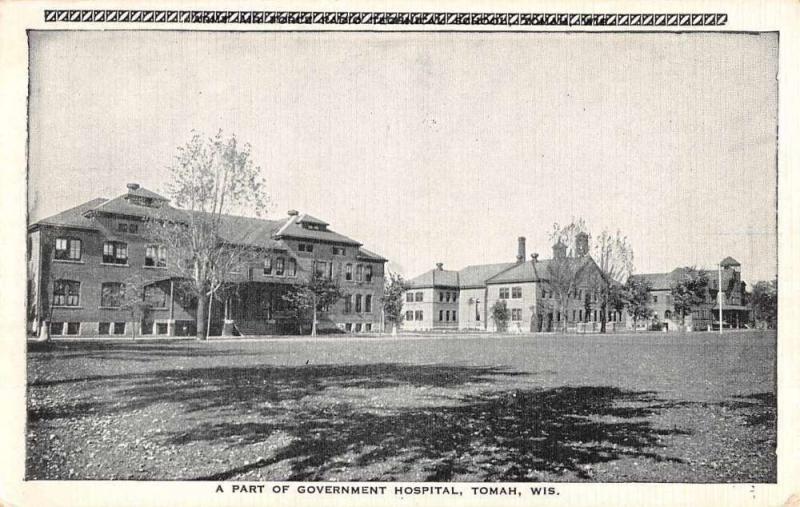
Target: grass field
x=651, y=407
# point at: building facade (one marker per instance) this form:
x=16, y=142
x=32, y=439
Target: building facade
x=703, y=316
x=80, y=262
x=445, y=299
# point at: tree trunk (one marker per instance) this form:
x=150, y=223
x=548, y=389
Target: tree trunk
x=314, y=318
x=201, y=317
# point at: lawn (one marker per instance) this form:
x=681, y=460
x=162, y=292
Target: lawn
x=651, y=407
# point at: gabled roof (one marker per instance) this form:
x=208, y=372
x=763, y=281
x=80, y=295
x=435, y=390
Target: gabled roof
x=477, y=274
x=73, y=217
x=521, y=272
x=292, y=229
x=147, y=194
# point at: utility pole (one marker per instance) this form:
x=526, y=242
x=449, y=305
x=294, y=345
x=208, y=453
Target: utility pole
x=719, y=296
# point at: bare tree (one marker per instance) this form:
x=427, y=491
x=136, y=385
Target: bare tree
x=614, y=256
x=565, y=271
x=207, y=245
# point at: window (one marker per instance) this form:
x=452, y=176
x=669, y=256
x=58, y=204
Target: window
x=162, y=328
x=292, y=267
x=66, y=293
x=447, y=315
x=418, y=315
x=455, y=297
x=516, y=292
x=348, y=303
x=68, y=249
x=368, y=274
x=111, y=294
x=504, y=293
x=324, y=269
x=133, y=228
x=155, y=296
x=516, y=314
x=348, y=327
x=409, y=315
x=155, y=256
x=115, y=252
x=368, y=327
x=279, y=265
x=122, y=227
x=73, y=328
x=337, y=250
x=368, y=303
x=119, y=328
x=358, y=327
x=441, y=298
x=359, y=272
x=358, y=303
x=655, y=299
x=594, y=317
x=305, y=247
x=56, y=328
x=418, y=297
x=454, y=315
x=348, y=272
x=267, y=265
x=580, y=315
x=573, y=315
x=410, y=297
x=103, y=328
x=441, y=315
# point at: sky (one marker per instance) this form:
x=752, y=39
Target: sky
x=435, y=147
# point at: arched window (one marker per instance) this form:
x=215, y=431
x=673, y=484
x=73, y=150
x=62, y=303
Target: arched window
x=667, y=314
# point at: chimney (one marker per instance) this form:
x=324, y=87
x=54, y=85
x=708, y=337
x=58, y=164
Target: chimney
x=133, y=186
x=534, y=258
x=439, y=266
x=292, y=212
x=581, y=244
x=521, y=249
x=559, y=250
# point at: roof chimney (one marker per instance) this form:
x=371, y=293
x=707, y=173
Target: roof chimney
x=292, y=212
x=521, y=249
x=439, y=266
x=133, y=186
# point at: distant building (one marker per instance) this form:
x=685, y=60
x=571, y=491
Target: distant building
x=443, y=299
x=735, y=311
x=80, y=260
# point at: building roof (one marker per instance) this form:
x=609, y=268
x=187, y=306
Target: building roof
x=657, y=281
x=73, y=217
x=476, y=275
x=729, y=261
x=434, y=278
x=292, y=229
x=521, y=272
x=259, y=232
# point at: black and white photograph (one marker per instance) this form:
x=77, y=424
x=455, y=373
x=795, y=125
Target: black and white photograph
x=401, y=262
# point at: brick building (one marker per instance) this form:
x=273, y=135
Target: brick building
x=445, y=299
x=80, y=261
x=704, y=316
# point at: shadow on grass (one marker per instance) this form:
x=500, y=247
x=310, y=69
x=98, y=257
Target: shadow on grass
x=502, y=436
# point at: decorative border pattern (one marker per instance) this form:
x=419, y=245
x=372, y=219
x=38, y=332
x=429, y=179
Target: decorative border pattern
x=380, y=18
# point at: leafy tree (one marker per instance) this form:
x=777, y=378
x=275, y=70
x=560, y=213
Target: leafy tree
x=635, y=295
x=764, y=300
x=305, y=299
x=393, y=289
x=211, y=178
x=501, y=315
x=688, y=291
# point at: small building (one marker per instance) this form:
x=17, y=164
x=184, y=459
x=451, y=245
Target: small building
x=81, y=260
x=704, y=316
x=442, y=299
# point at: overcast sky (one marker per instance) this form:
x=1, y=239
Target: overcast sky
x=436, y=147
